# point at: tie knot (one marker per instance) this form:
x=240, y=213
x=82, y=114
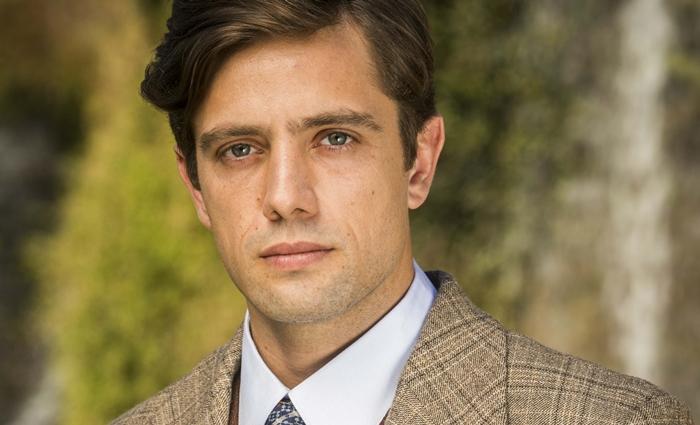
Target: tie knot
x=284, y=414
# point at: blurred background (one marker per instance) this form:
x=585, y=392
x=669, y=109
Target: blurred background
x=567, y=201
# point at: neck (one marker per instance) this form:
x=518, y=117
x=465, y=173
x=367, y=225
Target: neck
x=293, y=352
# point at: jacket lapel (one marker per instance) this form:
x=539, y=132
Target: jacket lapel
x=457, y=371
x=215, y=408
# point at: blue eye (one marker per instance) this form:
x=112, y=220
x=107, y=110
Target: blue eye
x=336, y=139
x=240, y=151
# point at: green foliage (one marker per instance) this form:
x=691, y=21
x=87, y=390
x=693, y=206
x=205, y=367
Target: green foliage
x=507, y=78
x=682, y=354
x=503, y=104
x=134, y=291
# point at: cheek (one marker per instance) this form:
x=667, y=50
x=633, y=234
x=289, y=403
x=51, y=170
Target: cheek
x=233, y=207
x=371, y=199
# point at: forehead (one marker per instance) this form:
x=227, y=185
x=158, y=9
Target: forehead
x=331, y=70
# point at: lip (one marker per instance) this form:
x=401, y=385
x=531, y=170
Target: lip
x=294, y=256
x=292, y=248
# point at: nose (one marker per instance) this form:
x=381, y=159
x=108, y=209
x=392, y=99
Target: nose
x=289, y=192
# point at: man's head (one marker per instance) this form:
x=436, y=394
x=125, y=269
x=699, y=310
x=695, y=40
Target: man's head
x=204, y=33
x=309, y=148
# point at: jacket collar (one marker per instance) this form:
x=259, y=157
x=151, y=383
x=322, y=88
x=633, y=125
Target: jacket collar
x=457, y=372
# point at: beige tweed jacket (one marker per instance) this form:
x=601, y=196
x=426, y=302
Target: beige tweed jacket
x=465, y=369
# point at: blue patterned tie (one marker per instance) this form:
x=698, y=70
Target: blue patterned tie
x=284, y=414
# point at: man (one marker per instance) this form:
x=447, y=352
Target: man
x=306, y=130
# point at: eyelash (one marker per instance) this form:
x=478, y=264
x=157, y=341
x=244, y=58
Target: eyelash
x=348, y=145
x=227, y=149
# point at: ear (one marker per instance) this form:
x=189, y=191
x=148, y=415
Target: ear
x=195, y=194
x=428, y=147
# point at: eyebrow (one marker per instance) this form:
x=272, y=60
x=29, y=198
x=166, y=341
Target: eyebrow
x=338, y=118
x=209, y=138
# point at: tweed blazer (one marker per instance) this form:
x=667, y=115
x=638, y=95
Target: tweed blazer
x=465, y=369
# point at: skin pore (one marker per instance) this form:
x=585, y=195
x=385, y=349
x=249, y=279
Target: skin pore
x=304, y=189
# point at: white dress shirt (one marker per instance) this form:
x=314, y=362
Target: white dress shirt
x=358, y=386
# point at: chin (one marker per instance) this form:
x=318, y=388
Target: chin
x=304, y=304
x=303, y=313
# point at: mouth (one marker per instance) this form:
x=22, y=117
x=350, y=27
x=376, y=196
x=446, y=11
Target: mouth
x=294, y=256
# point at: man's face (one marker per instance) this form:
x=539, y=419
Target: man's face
x=302, y=179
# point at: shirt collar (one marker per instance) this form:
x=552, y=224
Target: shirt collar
x=358, y=385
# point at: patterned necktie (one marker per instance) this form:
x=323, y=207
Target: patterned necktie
x=284, y=414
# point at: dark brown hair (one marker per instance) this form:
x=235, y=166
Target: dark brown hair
x=203, y=33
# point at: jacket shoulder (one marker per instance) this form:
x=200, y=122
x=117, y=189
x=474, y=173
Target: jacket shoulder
x=546, y=386
x=183, y=400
